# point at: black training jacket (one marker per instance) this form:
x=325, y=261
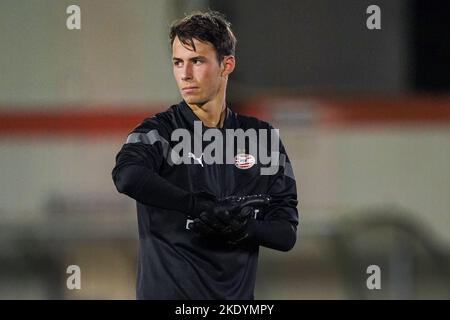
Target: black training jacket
x=173, y=261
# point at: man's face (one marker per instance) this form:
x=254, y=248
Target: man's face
x=198, y=73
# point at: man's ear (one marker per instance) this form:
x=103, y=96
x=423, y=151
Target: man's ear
x=228, y=64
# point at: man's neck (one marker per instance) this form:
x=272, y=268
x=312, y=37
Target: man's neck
x=211, y=113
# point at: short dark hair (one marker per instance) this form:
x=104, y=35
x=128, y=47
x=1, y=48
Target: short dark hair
x=210, y=26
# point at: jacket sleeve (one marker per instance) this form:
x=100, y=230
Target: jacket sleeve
x=136, y=172
x=278, y=229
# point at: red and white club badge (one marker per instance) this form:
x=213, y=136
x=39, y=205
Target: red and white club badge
x=244, y=161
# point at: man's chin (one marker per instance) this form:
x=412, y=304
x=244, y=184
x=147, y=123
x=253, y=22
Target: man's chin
x=192, y=100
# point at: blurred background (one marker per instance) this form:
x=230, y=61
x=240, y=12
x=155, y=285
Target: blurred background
x=364, y=115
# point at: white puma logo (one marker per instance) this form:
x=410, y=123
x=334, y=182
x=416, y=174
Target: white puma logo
x=199, y=159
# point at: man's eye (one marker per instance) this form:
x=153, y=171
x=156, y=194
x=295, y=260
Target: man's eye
x=197, y=61
x=177, y=63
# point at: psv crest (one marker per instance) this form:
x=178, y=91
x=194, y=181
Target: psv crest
x=244, y=161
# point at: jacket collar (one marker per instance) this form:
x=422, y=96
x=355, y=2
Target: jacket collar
x=189, y=116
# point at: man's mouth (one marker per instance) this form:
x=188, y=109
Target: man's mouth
x=189, y=89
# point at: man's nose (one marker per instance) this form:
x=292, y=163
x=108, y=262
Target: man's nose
x=187, y=72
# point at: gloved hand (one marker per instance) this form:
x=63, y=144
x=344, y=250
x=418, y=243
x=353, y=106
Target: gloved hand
x=225, y=221
x=201, y=201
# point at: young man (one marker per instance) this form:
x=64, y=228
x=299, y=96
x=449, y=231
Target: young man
x=199, y=233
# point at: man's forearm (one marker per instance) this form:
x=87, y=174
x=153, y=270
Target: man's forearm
x=149, y=188
x=275, y=234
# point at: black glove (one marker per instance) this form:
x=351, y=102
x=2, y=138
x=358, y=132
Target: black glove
x=228, y=219
x=201, y=201
x=225, y=222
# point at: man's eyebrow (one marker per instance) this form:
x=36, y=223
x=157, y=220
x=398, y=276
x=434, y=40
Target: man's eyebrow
x=197, y=57
x=192, y=58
